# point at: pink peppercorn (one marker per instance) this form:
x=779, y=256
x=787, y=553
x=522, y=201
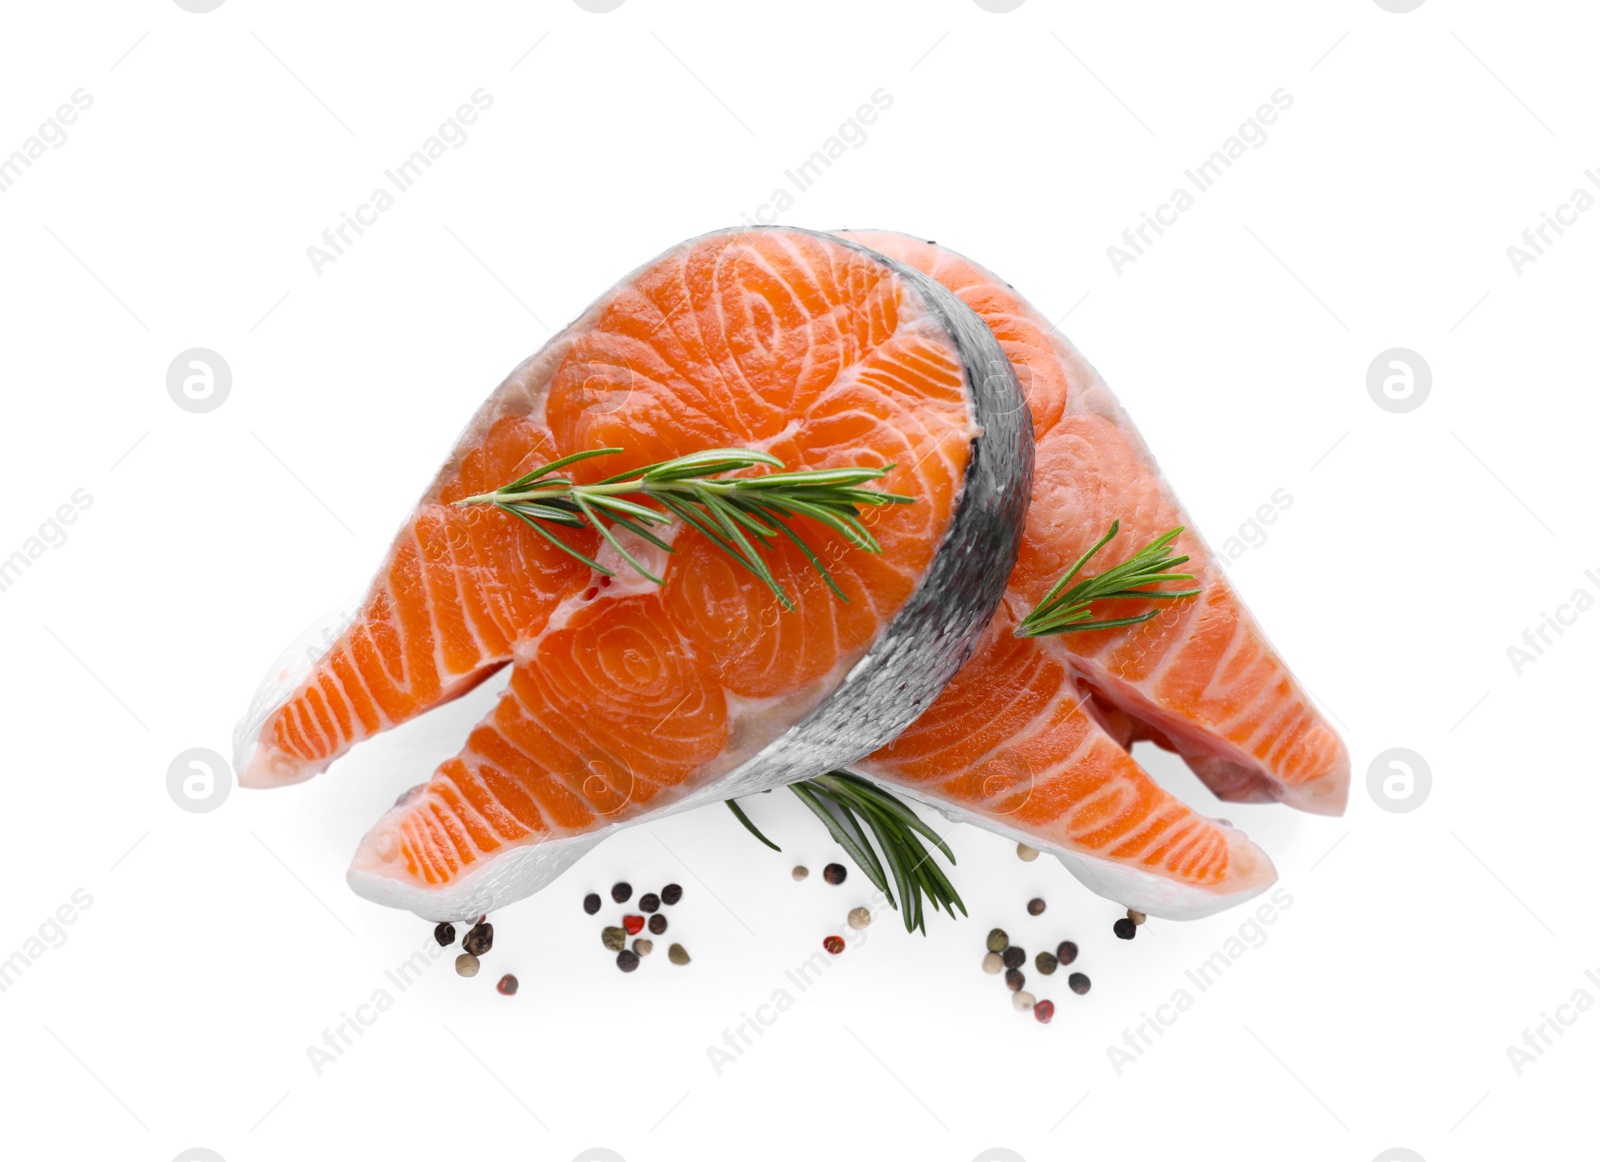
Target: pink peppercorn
x=834, y=944
x=1043, y=1011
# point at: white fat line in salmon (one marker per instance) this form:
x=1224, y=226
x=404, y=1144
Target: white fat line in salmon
x=50, y=535
x=1542, y=1037
x=52, y=133
x=400, y=178
x=1538, y=639
x=1140, y=1038
x=1252, y=132
x=339, y=1039
x=1536, y=239
x=741, y=1037
x=52, y=933
x=852, y=132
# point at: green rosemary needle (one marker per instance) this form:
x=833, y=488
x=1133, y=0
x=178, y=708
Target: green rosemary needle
x=742, y=515
x=851, y=807
x=1070, y=612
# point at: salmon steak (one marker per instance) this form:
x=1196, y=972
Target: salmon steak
x=1032, y=738
x=630, y=696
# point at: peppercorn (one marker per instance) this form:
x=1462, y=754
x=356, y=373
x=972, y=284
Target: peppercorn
x=507, y=986
x=1027, y=854
x=1045, y=963
x=677, y=954
x=1022, y=1001
x=997, y=940
x=1125, y=929
x=671, y=894
x=834, y=944
x=479, y=939
x=992, y=963
x=1014, y=979
x=467, y=964
x=627, y=961
x=633, y=924
x=591, y=903
x=621, y=892
x=649, y=902
x=445, y=934
x=643, y=947
x=1066, y=952
x=1014, y=956
x=834, y=873
x=658, y=924
x=1078, y=983
x=614, y=938
x=1036, y=907
x=1136, y=916
x=859, y=918
x=1043, y=1011
x=800, y=873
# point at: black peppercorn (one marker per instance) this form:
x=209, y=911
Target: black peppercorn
x=671, y=894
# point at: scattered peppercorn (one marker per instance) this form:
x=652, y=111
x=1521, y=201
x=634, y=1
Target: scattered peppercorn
x=591, y=903
x=658, y=924
x=1045, y=963
x=479, y=939
x=649, y=902
x=1014, y=979
x=1014, y=956
x=445, y=934
x=614, y=938
x=677, y=955
x=1078, y=983
x=627, y=961
x=997, y=940
x=992, y=963
x=1043, y=1011
x=467, y=964
x=643, y=947
x=1125, y=929
x=834, y=873
x=1136, y=916
x=1022, y=1001
x=1066, y=952
x=671, y=894
x=633, y=924
x=1036, y=907
x=859, y=918
x=1027, y=854
x=507, y=986
x=621, y=892
x=834, y=944
x=800, y=872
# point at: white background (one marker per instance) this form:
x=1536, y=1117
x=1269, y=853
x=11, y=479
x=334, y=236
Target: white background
x=179, y=1008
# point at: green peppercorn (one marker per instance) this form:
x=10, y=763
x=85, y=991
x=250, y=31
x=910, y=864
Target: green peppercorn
x=1045, y=962
x=997, y=940
x=614, y=938
x=677, y=955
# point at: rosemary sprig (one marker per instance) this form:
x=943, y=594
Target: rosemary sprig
x=850, y=807
x=1069, y=612
x=742, y=515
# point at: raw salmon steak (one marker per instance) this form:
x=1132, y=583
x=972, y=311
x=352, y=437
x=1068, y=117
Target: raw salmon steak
x=1031, y=738
x=628, y=699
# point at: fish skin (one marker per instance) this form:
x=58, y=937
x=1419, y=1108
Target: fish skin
x=911, y=657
